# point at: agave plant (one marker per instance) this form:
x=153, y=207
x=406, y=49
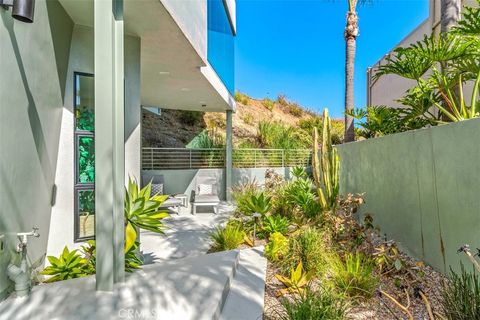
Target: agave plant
x=297, y=281
x=69, y=265
x=275, y=223
x=259, y=203
x=142, y=210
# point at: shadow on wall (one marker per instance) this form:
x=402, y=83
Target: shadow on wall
x=30, y=145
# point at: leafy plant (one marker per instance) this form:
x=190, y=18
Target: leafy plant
x=132, y=260
x=378, y=121
x=69, y=265
x=227, y=238
x=142, y=210
x=461, y=295
x=307, y=247
x=259, y=203
x=326, y=168
x=355, y=277
x=387, y=258
x=296, y=282
x=453, y=60
x=275, y=224
x=299, y=172
x=276, y=247
x=243, y=192
x=314, y=305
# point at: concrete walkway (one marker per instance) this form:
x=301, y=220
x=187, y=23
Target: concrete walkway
x=186, y=235
x=181, y=282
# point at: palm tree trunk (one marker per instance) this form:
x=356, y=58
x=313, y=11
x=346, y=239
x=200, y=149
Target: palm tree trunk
x=351, y=33
x=450, y=13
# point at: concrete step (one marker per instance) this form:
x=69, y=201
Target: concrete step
x=245, y=300
x=189, y=288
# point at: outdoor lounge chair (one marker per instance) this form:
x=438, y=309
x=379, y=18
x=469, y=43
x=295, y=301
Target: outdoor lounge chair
x=158, y=184
x=205, y=194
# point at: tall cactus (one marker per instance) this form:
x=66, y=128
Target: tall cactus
x=326, y=166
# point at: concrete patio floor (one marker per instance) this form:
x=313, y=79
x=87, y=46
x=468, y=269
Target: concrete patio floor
x=186, y=235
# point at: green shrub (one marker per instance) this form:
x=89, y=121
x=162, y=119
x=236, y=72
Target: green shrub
x=227, y=238
x=243, y=192
x=309, y=248
x=355, y=277
x=276, y=247
x=299, y=172
x=69, y=265
x=205, y=140
x=461, y=296
x=242, y=98
x=294, y=109
x=258, y=203
x=275, y=135
x=310, y=305
x=268, y=103
x=275, y=223
x=248, y=118
x=282, y=100
x=190, y=118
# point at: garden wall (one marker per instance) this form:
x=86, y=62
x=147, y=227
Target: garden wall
x=421, y=187
x=183, y=181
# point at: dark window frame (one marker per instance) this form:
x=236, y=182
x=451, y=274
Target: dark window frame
x=77, y=185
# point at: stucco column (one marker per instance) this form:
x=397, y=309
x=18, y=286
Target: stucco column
x=228, y=156
x=118, y=144
x=109, y=147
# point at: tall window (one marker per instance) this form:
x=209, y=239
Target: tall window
x=221, y=43
x=84, y=187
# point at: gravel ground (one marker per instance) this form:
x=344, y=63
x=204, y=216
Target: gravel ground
x=413, y=274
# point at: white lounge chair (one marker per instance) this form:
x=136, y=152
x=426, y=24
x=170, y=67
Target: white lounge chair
x=205, y=194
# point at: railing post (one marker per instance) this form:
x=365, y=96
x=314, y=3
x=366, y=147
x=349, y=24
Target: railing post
x=283, y=157
x=151, y=159
x=190, y=158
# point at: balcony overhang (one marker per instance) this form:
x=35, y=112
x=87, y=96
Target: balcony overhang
x=174, y=75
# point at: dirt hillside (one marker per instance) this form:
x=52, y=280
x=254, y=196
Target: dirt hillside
x=175, y=129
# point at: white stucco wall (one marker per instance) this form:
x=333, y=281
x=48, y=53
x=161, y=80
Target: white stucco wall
x=388, y=88
x=32, y=75
x=81, y=60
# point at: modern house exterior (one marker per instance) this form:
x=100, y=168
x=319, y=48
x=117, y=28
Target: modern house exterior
x=73, y=85
x=388, y=88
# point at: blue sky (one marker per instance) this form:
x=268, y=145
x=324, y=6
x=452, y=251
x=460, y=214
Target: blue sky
x=297, y=47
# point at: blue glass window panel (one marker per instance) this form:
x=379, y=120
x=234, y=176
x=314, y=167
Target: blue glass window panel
x=221, y=43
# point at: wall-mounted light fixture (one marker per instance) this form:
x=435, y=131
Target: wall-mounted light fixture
x=22, y=10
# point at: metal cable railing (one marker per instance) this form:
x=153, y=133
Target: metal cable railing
x=182, y=158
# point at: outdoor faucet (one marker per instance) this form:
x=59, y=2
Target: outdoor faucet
x=20, y=275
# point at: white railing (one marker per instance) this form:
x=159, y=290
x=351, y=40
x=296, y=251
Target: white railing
x=182, y=158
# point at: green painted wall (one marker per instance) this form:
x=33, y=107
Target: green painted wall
x=421, y=187
x=34, y=60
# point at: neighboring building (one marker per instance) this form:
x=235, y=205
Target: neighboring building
x=120, y=54
x=388, y=88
